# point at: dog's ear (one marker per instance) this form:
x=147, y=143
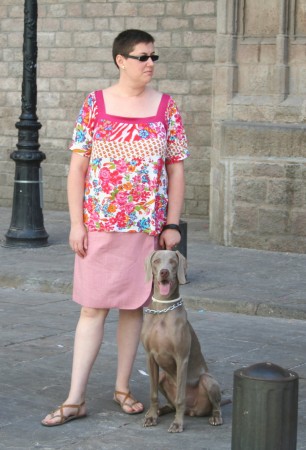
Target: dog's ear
x=182, y=267
x=148, y=267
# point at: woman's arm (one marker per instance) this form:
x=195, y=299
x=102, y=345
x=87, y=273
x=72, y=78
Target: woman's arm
x=176, y=190
x=75, y=188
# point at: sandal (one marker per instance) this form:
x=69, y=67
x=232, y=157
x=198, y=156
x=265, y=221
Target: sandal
x=124, y=402
x=64, y=419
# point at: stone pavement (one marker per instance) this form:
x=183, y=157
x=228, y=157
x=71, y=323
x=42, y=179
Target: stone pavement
x=247, y=306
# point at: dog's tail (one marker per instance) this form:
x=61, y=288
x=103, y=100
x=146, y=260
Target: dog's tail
x=226, y=401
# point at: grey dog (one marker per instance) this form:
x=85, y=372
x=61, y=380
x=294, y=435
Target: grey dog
x=172, y=345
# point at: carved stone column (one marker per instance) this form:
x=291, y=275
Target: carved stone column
x=258, y=159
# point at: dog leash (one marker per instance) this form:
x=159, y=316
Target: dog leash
x=161, y=311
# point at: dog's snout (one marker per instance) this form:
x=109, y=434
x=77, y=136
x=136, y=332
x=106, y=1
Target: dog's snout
x=164, y=273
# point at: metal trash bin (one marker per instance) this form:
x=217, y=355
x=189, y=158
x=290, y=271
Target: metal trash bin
x=265, y=408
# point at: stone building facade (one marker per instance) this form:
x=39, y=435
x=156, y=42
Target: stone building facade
x=74, y=58
x=237, y=71
x=258, y=176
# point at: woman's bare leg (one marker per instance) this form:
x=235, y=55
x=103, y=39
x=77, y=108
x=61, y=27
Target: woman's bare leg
x=128, y=335
x=87, y=343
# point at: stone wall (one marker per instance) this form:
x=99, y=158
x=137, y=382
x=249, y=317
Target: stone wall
x=258, y=176
x=74, y=57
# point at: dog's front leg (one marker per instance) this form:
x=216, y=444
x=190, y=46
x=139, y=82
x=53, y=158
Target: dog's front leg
x=177, y=425
x=152, y=413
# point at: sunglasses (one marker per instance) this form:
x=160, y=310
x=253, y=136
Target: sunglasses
x=143, y=58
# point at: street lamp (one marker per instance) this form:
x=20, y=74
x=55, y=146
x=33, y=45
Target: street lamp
x=27, y=225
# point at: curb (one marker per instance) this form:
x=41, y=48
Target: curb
x=57, y=286
x=256, y=308
x=260, y=309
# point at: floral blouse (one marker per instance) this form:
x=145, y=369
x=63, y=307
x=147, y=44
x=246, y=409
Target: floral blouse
x=126, y=182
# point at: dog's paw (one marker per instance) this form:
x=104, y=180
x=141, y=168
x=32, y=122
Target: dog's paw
x=215, y=421
x=176, y=427
x=150, y=421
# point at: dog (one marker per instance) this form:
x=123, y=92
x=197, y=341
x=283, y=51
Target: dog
x=172, y=345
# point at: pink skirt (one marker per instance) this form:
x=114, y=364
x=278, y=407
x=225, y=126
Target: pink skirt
x=112, y=274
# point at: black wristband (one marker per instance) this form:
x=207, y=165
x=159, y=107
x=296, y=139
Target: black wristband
x=172, y=226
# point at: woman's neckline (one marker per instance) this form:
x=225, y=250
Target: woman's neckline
x=130, y=118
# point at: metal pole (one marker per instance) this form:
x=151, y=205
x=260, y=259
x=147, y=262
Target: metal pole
x=27, y=225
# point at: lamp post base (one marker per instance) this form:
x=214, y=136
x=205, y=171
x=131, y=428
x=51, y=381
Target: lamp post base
x=27, y=224
x=20, y=242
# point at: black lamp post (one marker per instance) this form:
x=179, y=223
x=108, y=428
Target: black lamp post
x=27, y=225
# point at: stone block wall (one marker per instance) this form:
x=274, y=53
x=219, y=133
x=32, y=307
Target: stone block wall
x=266, y=185
x=258, y=183
x=74, y=58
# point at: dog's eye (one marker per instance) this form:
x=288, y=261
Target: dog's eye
x=156, y=261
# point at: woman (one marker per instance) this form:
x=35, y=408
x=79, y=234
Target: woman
x=127, y=157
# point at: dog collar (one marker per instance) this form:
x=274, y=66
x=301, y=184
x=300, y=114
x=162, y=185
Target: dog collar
x=161, y=311
x=166, y=301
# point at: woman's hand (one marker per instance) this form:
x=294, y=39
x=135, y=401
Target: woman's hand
x=169, y=239
x=78, y=240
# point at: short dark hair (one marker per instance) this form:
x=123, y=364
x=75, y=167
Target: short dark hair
x=125, y=42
